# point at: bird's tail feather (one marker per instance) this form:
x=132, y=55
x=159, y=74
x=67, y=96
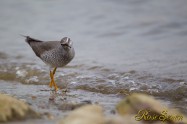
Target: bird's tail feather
x=29, y=39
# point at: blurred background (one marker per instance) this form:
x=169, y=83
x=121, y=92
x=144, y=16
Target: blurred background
x=122, y=46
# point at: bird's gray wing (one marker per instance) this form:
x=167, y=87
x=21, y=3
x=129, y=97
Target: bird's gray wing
x=39, y=47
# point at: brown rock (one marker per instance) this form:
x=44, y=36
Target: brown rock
x=88, y=114
x=147, y=108
x=13, y=109
x=128, y=119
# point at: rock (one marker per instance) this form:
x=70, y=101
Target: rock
x=88, y=114
x=135, y=109
x=135, y=102
x=147, y=108
x=128, y=119
x=93, y=114
x=13, y=109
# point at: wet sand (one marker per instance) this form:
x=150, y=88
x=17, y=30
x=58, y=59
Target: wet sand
x=54, y=106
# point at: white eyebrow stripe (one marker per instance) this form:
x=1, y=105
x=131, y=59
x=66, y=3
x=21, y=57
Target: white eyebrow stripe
x=67, y=40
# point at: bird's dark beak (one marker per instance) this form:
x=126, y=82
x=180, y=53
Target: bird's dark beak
x=23, y=35
x=66, y=45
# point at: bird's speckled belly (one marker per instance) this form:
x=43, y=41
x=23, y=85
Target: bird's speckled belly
x=56, y=60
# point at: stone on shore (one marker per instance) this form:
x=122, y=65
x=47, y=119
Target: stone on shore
x=128, y=119
x=88, y=114
x=13, y=109
x=128, y=112
x=142, y=106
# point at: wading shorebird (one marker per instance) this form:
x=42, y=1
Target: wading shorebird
x=53, y=53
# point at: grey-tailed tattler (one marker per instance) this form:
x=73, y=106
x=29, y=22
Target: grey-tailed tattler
x=53, y=53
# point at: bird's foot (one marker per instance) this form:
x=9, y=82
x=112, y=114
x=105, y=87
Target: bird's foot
x=55, y=86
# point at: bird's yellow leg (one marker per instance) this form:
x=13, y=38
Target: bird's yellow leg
x=52, y=79
x=54, y=84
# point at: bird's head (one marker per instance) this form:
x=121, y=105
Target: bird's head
x=66, y=42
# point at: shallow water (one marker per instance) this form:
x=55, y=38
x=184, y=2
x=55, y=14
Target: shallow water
x=122, y=46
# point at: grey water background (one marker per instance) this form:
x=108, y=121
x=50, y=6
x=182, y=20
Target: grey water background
x=122, y=46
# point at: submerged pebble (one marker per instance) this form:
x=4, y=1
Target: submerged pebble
x=67, y=106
